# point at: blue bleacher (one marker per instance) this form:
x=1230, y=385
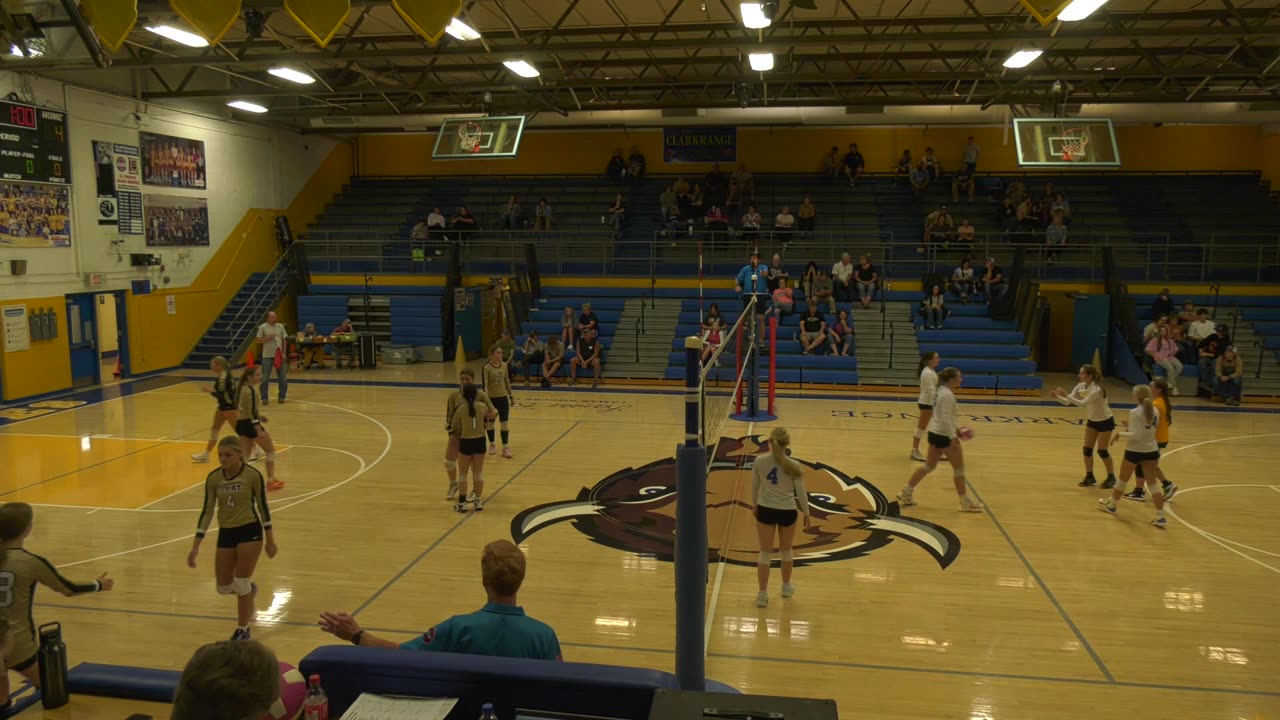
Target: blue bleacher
x=415, y=320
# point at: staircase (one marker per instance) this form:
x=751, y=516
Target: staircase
x=236, y=327
x=644, y=354
x=877, y=364
x=1252, y=348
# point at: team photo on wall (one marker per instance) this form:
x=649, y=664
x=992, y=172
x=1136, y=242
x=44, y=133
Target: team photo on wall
x=174, y=221
x=172, y=161
x=35, y=215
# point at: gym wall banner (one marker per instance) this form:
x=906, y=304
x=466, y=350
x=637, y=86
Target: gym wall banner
x=700, y=144
x=119, y=175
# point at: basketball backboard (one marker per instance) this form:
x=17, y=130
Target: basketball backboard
x=1066, y=142
x=479, y=137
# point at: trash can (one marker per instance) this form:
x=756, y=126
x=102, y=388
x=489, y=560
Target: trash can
x=17, y=267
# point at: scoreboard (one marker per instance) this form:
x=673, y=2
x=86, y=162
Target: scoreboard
x=33, y=144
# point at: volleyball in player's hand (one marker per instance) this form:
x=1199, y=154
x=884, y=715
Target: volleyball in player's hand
x=965, y=433
x=293, y=690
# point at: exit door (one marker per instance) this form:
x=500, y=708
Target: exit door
x=83, y=338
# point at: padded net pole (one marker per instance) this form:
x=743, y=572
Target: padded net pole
x=737, y=353
x=691, y=531
x=773, y=362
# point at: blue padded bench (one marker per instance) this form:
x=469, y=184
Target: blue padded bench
x=415, y=320
x=121, y=681
x=963, y=350
x=508, y=683
x=1016, y=382
x=980, y=382
x=1259, y=314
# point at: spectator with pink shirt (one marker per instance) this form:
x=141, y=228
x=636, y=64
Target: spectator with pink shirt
x=1164, y=352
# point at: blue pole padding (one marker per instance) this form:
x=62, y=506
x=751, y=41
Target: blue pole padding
x=691, y=566
x=692, y=384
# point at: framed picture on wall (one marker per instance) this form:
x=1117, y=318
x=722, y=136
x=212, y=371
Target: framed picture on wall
x=175, y=162
x=35, y=215
x=175, y=221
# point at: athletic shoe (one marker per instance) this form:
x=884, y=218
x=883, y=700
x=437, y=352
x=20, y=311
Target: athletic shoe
x=493, y=449
x=200, y=457
x=275, y=485
x=460, y=507
x=1169, y=490
x=1088, y=481
x=476, y=503
x=906, y=499
x=1160, y=522
x=762, y=599
x=915, y=455
x=1105, y=505
x=1138, y=495
x=240, y=635
x=453, y=489
x=506, y=452
x=970, y=506
x=788, y=590
x=1109, y=483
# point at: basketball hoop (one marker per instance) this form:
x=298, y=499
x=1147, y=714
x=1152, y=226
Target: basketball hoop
x=469, y=136
x=1073, y=144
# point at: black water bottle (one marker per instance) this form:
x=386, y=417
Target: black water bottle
x=52, y=657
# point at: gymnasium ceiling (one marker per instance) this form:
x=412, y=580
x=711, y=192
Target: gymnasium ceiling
x=600, y=55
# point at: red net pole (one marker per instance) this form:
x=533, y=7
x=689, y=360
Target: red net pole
x=737, y=353
x=773, y=360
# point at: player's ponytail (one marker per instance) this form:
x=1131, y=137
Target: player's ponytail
x=469, y=393
x=1160, y=388
x=779, y=441
x=1142, y=393
x=925, y=359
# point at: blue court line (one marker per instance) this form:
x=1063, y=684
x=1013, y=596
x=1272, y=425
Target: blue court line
x=387, y=586
x=93, y=396
x=1043, y=586
x=98, y=389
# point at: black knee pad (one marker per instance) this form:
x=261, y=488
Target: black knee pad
x=1088, y=452
x=1104, y=454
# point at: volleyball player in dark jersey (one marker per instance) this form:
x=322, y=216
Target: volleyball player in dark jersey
x=250, y=423
x=223, y=391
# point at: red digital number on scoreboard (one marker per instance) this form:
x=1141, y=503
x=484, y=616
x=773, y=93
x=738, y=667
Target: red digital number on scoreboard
x=22, y=116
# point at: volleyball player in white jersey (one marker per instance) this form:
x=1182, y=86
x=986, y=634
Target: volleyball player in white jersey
x=928, y=389
x=1142, y=450
x=1099, y=425
x=779, y=496
x=943, y=437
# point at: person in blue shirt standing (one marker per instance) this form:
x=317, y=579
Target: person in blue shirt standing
x=753, y=279
x=500, y=628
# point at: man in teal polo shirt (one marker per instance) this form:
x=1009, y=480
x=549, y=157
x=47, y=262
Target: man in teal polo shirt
x=500, y=628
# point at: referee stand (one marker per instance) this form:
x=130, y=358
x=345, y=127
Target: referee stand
x=751, y=382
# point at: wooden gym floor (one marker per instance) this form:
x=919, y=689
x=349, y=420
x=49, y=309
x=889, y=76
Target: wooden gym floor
x=1042, y=607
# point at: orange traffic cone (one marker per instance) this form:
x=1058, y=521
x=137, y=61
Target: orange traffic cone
x=249, y=359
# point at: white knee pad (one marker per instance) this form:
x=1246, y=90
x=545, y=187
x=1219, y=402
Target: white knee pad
x=477, y=477
x=959, y=472
x=765, y=559
x=226, y=589
x=242, y=586
x=271, y=456
x=451, y=465
x=918, y=434
x=930, y=467
x=788, y=556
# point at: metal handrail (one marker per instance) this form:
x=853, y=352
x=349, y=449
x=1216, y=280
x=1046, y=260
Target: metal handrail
x=891, y=343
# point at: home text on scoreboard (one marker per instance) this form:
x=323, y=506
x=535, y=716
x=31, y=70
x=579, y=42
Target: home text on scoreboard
x=33, y=144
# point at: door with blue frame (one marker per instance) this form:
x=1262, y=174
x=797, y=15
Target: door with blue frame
x=82, y=336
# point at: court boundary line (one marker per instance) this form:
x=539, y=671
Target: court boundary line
x=1044, y=587
x=457, y=525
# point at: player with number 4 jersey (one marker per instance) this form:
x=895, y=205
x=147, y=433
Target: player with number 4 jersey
x=20, y=572
x=779, y=497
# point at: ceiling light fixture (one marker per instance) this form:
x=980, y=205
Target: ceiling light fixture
x=1080, y=9
x=761, y=62
x=1022, y=58
x=462, y=31
x=753, y=15
x=178, y=35
x=247, y=106
x=296, y=76
x=521, y=68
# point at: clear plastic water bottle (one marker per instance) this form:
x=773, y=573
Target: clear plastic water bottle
x=487, y=713
x=316, y=704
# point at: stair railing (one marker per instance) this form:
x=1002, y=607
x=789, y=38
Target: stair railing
x=1262, y=353
x=243, y=324
x=637, y=341
x=891, y=331
x=1235, y=318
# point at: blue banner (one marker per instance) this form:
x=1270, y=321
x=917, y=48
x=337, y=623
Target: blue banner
x=700, y=144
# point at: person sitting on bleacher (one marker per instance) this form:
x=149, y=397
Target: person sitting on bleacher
x=635, y=164
x=617, y=167
x=509, y=214
x=499, y=629
x=717, y=225
x=1153, y=328
x=776, y=277
x=542, y=216
x=588, y=320
x=807, y=214
x=746, y=181
x=823, y=292
x=993, y=281
x=616, y=213
x=749, y=223
x=464, y=222
x=588, y=356
x=867, y=277
x=1164, y=352
x=933, y=308
x=1227, y=372
x=712, y=336
x=919, y=178
x=966, y=235
x=962, y=280
x=667, y=200
x=783, y=224
x=831, y=163
x=1212, y=348
x=784, y=302
x=1198, y=329
x=420, y=233
x=842, y=279
x=435, y=227
x=931, y=164
x=904, y=165
x=813, y=328
x=963, y=181
x=1163, y=304
x=841, y=335
x=552, y=361
x=938, y=227
x=1061, y=206
x=532, y=354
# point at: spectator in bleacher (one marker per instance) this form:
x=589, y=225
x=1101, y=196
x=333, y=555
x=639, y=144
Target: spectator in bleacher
x=1227, y=372
x=840, y=335
x=823, y=291
x=542, y=216
x=717, y=225
x=568, y=327
x=588, y=356
x=732, y=201
x=745, y=180
x=463, y=223
x=553, y=360
x=1163, y=304
x=970, y=155
x=1055, y=237
x=713, y=316
x=852, y=165
x=588, y=320
x=966, y=235
x=715, y=184
x=931, y=164
x=1154, y=327
x=1188, y=313
x=964, y=181
x=1212, y=348
x=435, y=226
x=813, y=328
x=499, y=629
x=712, y=337
x=806, y=214
x=993, y=281
x=635, y=164
x=420, y=233
x=1200, y=328
x=842, y=279
x=617, y=167
x=695, y=200
x=938, y=227
x=753, y=281
x=532, y=354
x=616, y=213
x=933, y=308
x=509, y=214
x=777, y=276
x=667, y=199
x=867, y=276
x=831, y=163
x=749, y=224
x=1007, y=215
x=784, y=301
x=783, y=224
x=676, y=224
x=1017, y=192
x=962, y=280
x=1060, y=207
x=1048, y=195
x=808, y=278
x=1028, y=216
x=1164, y=352
x=919, y=178
x=903, y=166
x=680, y=187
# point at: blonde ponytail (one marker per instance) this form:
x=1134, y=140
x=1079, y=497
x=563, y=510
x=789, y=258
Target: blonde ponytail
x=1143, y=395
x=779, y=441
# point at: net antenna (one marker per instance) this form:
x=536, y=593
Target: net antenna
x=1074, y=142
x=469, y=136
